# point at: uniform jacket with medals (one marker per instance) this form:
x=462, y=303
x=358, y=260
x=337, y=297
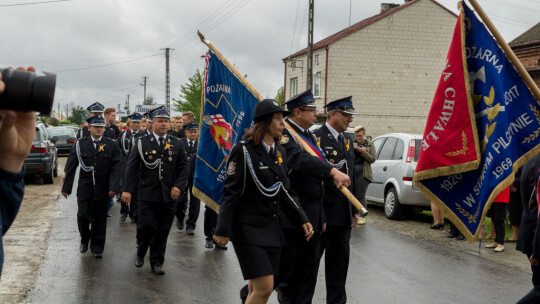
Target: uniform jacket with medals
x=246, y=215
x=109, y=133
x=105, y=159
x=155, y=184
x=191, y=154
x=307, y=173
x=338, y=209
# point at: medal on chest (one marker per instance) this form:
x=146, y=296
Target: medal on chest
x=170, y=156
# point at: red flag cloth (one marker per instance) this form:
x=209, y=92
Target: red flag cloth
x=449, y=145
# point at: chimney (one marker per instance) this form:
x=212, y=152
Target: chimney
x=387, y=6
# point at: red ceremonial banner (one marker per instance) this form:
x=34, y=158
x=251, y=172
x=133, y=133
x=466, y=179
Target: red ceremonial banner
x=450, y=142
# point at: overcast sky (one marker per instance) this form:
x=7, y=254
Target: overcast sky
x=101, y=49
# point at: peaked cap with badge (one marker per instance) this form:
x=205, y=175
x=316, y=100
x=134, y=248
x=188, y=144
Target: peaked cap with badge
x=302, y=99
x=160, y=111
x=96, y=121
x=135, y=117
x=96, y=107
x=343, y=104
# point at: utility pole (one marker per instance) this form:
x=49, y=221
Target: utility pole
x=167, y=81
x=309, y=80
x=67, y=110
x=59, y=114
x=127, y=104
x=145, y=77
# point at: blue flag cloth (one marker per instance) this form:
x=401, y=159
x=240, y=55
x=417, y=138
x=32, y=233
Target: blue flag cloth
x=508, y=124
x=228, y=111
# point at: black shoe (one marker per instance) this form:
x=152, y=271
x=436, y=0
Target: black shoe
x=451, y=235
x=190, y=231
x=218, y=246
x=209, y=244
x=283, y=297
x=244, y=293
x=84, y=248
x=98, y=255
x=134, y=220
x=157, y=270
x=460, y=237
x=139, y=262
x=123, y=218
x=437, y=226
x=179, y=225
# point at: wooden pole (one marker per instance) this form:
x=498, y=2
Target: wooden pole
x=231, y=67
x=509, y=53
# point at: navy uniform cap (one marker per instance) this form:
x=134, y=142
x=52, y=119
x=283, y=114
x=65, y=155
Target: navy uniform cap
x=135, y=117
x=267, y=107
x=96, y=121
x=303, y=99
x=148, y=117
x=160, y=111
x=96, y=107
x=343, y=104
x=191, y=126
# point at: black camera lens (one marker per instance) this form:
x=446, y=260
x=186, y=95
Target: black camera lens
x=28, y=91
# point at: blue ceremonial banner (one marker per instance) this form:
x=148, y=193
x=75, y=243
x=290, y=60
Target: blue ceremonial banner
x=227, y=112
x=508, y=124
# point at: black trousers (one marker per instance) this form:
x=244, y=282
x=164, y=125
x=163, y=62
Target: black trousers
x=299, y=265
x=210, y=222
x=498, y=213
x=335, y=244
x=130, y=209
x=154, y=223
x=92, y=223
x=533, y=297
x=194, y=208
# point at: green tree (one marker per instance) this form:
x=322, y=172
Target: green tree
x=78, y=114
x=279, y=97
x=149, y=100
x=190, y=96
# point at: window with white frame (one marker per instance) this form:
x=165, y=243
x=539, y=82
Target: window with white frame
x=294, y=86
x=317, y=84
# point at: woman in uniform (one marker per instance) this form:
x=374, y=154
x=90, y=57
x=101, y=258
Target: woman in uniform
x=257, y=186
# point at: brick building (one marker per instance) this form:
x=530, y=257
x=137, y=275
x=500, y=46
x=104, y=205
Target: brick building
x=527, y=48
x=390, y=63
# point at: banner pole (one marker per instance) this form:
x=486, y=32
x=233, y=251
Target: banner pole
x=231, y=67
x=506, y=48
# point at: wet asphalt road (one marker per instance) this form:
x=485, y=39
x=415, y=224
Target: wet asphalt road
x=386, y=267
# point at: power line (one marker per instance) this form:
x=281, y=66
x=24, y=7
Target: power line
x=294, y=29
x=33, y=3
x=109, y=64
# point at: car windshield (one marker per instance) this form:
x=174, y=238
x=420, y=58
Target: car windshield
x=61, y=132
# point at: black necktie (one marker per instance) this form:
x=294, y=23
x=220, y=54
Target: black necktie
x=190, y=145
x=161, y=140
x=340, y=138
x=272, y=155
x=96, y=143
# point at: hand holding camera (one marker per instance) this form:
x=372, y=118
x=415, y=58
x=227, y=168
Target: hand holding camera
x=22, y=92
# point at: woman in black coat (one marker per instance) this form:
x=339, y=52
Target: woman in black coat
x=257, y=186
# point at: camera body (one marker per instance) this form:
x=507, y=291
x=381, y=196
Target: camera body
x=28, y=91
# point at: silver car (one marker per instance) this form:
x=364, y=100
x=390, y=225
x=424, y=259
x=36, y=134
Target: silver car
x=393, y=170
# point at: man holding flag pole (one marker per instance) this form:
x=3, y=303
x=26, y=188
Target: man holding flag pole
x=483, y=125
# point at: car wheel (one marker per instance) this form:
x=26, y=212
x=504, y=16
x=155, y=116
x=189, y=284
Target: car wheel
x=55, y=172
x=392, y=207
x=49, y=178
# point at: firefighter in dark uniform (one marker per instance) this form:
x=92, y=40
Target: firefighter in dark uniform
x=160, y=164
x=96, y=109
x=99, y=159
x=124, y=140
x=529, y=234
x=255, y=189
x=190, y=143
x=340, y=214
x=300, y=260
